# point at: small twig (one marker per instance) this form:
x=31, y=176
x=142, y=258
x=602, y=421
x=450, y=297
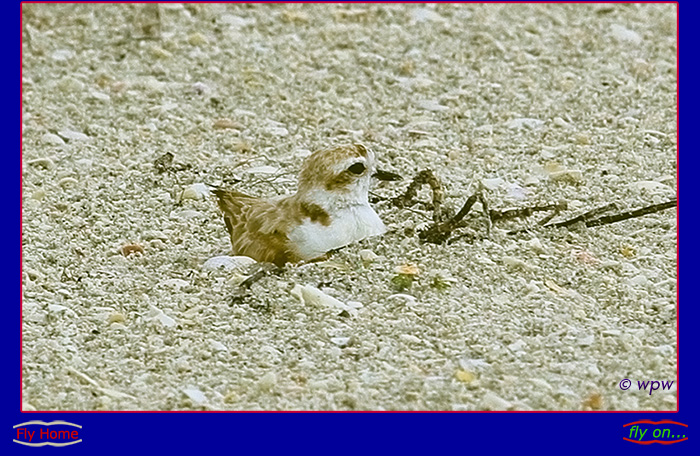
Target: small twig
x=440, y=232
x=586, y=216
x=523, y=212
x=422, y=178
x=556, y=209
x=164, y=162
x=633, y=214
x=261, y=270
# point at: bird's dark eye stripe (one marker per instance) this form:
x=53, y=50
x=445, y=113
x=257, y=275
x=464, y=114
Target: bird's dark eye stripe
x=357, y=168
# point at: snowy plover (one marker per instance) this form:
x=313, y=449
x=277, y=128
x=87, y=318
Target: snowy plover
x=329, y=210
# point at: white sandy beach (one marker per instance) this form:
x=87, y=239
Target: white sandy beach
x=539, y=104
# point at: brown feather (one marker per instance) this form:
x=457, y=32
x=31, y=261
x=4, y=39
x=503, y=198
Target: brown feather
x=257, y=227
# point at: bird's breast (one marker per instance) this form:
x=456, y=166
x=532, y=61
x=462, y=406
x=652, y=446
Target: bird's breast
x=313, y=239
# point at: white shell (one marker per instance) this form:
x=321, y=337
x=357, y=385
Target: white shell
x=175, y=283
x=195, y=395
x=525, y=122
x=313, y=296
x=73, y=135
x=196, y=192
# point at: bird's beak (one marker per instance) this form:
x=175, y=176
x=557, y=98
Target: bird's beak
x=386, y=175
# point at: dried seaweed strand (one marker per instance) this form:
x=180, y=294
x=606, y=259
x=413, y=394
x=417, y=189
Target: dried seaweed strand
x=632, y=214
x=440, y=232
x=422, y=178
x=586, y=216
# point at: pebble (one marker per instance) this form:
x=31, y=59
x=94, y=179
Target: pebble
x=154, y=234
x=491, y=401
x=175, y=283
x=234, y=21
x=313, y=296
x=652, y=187
x=57, y=308
x=559, y=122
x=531, y=180
x=158, y=315
x=517, y=346
x=73, y=135
x=99, y=96
x=217, y=346
x=222, y=124
x=70, y=84
x=128, y=249
x=465, y=376
x=571, y=176
x=153, y=85
x=535, y=245
x=227, y=263
x=454, y=154
x=160, y=53
x=200, y=88
x=195, y=395
x=340, y=341
x=408, y=269
x=367, y=255
x=409, y=339
x=50, y=138
x=185, y=215
x=594, y=401
x=426, y=15
x=44, y=162
x=517, y=192
x=196, y=191
x=431, y=105
x=116, y=318
x=585, y=341
x=67, y=182
x=267, y=381
x=624, y=34
x=517, y=263
x=640, y=280
x=410, y=300
x=492, y=184
x=276, y=131
x=525, y=122
x=61, y=55
x=197, y=39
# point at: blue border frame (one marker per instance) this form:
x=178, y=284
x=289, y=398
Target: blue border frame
x=337, y=432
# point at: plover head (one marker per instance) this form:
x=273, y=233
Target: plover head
x=329, y=210
x=337, y=178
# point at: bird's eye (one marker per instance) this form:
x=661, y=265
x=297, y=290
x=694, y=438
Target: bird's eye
x=357, y=168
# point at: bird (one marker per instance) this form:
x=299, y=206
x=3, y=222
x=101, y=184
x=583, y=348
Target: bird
x=329, y=210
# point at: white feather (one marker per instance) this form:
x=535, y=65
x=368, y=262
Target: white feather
x=348, y=225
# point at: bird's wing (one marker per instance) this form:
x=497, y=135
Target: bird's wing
x=257, y=227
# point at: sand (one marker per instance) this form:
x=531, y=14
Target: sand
x=535, y=104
